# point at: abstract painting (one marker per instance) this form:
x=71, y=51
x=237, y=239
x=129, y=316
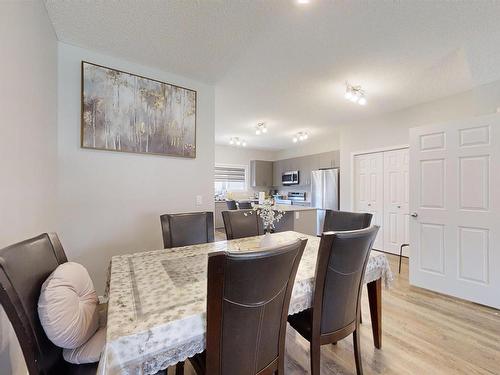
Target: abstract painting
x=129, y=113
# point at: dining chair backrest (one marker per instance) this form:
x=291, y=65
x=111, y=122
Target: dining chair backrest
x=242, y=223
x=248, y=297
x=340, y=270
x=231, y=205
x=244, y=205
x=187, y=229
x=345, y=220
x=24, y=267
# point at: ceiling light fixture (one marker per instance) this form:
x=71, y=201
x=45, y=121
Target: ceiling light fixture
x=303, y=2
x=300, y=136
x=355, y=94
x=261, y=128
x=237, y=141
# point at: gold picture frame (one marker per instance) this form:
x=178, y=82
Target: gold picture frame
x=125, y=112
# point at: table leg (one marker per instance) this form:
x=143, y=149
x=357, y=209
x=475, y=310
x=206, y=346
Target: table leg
x=375, y=300
x=179, y=368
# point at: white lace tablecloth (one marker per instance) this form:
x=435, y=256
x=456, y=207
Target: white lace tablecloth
x=157, y=301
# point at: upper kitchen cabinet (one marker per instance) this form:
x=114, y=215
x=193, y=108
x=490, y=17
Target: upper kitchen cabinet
x=329, y=160
x=277, y=172
x=261, y=173
x=305, y=165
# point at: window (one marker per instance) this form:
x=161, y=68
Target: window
x=229, y=178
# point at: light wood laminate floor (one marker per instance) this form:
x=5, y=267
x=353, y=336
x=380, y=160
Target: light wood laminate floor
x=424, y=333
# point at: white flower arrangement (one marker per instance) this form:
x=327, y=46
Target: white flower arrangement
x=269, y=214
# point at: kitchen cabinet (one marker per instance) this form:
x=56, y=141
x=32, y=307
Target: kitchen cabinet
x=328, y=160
x=305, y=165
x=305, y=168
x=277, y=171
x=302, y=204
x=261, y=173
x=219, y=207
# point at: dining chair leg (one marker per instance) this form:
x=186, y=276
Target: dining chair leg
x=315, y=357
x=357, y=352
x=375, y=301
x=281, y=366
x=401, y=254
x=179, y=368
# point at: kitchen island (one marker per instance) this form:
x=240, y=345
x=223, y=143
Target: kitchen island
x=297, y=218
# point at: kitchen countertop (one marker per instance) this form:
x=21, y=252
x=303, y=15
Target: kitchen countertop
x=287, y=207
x=283, y=207
x=240, y=200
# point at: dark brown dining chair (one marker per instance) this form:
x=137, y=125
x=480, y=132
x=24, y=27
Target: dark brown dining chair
x=231, y=205
x=248, y=296
x=337, y=221
x=339, y=278
x=345, y=220
x=187, y=229
x=244, y=205
x=24, y=267
x=242, y=223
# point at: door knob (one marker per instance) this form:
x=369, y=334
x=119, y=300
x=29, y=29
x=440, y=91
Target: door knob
x=414, y=214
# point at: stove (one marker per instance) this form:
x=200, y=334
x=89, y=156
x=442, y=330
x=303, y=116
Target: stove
x=290, y=199
x=296, y=196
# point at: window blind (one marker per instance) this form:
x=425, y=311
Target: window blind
x=229, y=174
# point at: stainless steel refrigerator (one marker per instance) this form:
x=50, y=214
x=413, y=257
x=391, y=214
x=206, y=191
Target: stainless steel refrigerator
x=324, y=193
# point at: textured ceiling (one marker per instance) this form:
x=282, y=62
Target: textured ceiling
x=285, y=64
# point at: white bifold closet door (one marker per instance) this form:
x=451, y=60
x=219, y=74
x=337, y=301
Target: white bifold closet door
x=368, y=190
x=455, y=205
x=396, y=200
x=381, y=188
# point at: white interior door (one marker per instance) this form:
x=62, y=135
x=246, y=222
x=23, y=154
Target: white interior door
x=455, y=204
x=368, y=189
x=396, y=200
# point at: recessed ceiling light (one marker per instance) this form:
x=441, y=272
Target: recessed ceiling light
x=302, y=2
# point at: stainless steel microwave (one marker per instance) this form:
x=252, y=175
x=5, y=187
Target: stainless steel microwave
x=290, y=178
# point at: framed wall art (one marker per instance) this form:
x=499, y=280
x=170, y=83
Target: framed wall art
x=130, y=113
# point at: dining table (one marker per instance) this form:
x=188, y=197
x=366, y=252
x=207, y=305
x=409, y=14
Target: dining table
x=156, y=315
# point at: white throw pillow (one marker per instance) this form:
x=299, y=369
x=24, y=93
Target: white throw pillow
x=89, y=352
x=67, y=306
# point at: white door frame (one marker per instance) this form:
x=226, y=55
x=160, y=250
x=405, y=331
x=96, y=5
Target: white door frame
x=371, y=151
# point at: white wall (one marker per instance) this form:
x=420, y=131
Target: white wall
x=393, y=129
x=325, y=144
x=110, y=202
x=28, y=164
x=241, y=156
